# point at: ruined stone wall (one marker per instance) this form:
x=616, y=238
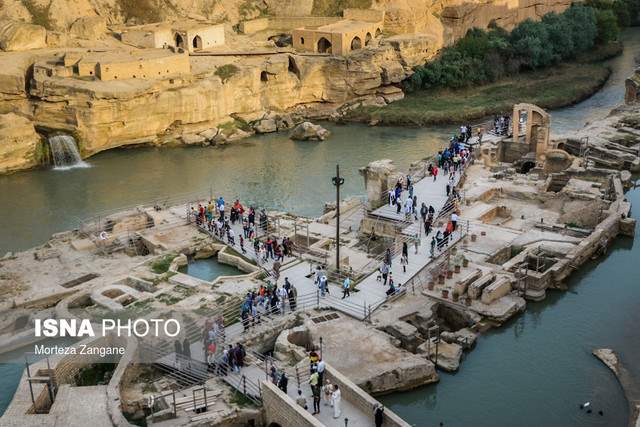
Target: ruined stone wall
x=361, y=399
x=283, y=410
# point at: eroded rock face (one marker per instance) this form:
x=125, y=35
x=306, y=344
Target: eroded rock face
x=19, y=143
x=16, y=35
x=307, y=131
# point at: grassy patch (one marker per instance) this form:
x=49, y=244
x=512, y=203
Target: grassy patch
x=169, y=299
x=241, y=400
x=225, y=72
x=551, y=88
x=161, y=265
x=335, y=7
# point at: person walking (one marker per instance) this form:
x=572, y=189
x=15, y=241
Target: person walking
x=320, y=369
x=404, y=262
x=378, y=414
x=336, y=398
x=384, y=271
x=346, y=288
x=454, y=221
x=293, y=297
x=283, y=382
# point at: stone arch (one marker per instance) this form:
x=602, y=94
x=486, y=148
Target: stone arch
x=356, y=43
x=179, y=40
x=324, y=45
x=527, y=166
x=197, y=42
x=378, y=32
x=367, y=39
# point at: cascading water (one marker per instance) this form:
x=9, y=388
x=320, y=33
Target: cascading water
x=64, y=152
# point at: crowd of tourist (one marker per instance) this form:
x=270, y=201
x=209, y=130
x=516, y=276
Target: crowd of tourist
x=213, y=218
x=451, y=161
x=501, y=125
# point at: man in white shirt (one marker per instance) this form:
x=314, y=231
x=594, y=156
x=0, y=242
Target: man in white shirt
x=320, y=369
x=454, y=220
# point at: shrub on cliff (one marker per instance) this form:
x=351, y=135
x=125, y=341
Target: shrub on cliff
x=485, y=56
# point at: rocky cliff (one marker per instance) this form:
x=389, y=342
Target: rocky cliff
x=104, y=115
x=19, y=144
x=203, y=107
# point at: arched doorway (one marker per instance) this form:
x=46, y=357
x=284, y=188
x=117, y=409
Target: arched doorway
x=367, y=39
x=378, y=32
x=179, y=41
x=197, y=42
x=356, y=43
x=324, y=45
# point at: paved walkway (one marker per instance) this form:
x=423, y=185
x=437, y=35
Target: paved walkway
x=370, y=291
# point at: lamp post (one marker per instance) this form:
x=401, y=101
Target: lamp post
x=320, y=347
x=337, y=181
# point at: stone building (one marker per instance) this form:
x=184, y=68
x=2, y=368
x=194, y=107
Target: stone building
x=145, y=66
x=188, y=35
x=340, y=38
x=106, y=66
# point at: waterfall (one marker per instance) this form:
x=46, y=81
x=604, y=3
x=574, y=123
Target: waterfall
x=64, y=152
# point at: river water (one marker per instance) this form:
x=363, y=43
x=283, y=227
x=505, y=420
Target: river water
x=534, y=371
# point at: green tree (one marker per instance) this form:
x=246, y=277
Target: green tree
x=607, y=24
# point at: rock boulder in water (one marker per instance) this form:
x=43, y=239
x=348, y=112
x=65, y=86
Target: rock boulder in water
x=307, y=131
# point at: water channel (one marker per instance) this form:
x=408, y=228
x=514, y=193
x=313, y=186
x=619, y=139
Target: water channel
x=534, y=371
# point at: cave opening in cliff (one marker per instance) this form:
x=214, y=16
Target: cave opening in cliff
x=197, y=42
x=367, y=39
x=179, y=41
x=324, y=45
x=356, y=43
x=378, y=32
x=293, y=67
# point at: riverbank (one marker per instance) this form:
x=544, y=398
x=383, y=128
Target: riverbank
x=555, y=87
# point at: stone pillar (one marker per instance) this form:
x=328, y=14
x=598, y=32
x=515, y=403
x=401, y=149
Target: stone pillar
x=376, y=180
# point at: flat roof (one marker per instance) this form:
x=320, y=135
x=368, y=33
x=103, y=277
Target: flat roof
x=346, y=25
x=115, y=57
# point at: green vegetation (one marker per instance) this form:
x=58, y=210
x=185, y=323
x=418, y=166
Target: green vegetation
x=627, y=12
x=162, y=265
x=225, y=72
x=335, y=7
x=96, y=374
x=142, y=11
x=169, y=299
x=548, y=88
x=487, y=56
x=551, y=62
x=241, y=400
x=39, y=14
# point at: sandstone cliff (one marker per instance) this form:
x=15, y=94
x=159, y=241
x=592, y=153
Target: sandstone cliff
x=104, y=115
x=19, y=143
x=194, y=108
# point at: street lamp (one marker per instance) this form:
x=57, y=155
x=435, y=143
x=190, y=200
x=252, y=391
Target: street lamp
x=337, y=181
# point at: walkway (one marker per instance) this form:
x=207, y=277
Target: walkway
x=370, y=292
